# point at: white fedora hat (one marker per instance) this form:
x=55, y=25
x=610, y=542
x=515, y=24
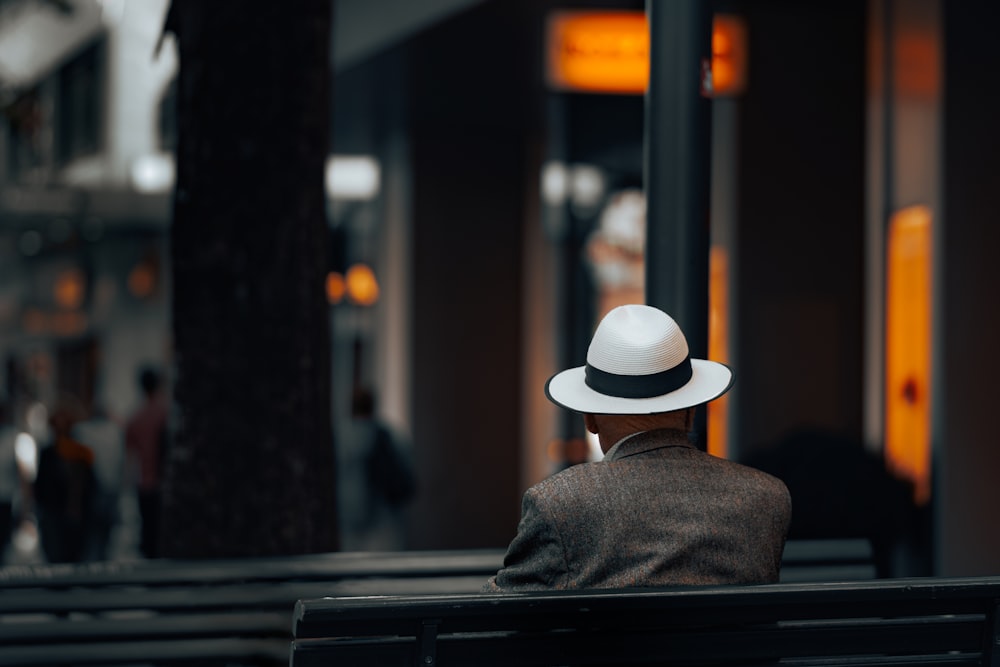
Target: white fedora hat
x=638, y=363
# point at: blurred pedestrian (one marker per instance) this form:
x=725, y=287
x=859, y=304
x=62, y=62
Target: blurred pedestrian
x=376, y=481
x=9, y=477
x=145, y=446
x=65, y=488
x=103, y=435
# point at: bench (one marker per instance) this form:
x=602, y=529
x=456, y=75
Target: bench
x=239, y=611
x=222, y=612
x=925, y=621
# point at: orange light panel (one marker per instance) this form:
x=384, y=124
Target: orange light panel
x=718, y=344
x=729, y=55
x=595, y=51
x=608, y=52
x=908, y=348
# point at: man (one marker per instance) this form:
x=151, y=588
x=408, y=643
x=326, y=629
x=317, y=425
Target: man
x=656, y=510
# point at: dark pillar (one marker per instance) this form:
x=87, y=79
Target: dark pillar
x=677, y=150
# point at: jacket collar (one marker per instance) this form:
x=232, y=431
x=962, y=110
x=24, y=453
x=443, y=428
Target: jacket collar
x=645, y=441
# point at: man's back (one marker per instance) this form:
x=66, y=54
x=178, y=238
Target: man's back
x=656, y=511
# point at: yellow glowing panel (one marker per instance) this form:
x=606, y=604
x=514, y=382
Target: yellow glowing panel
x=908, y=348
x=718, y=344
x=608, y=52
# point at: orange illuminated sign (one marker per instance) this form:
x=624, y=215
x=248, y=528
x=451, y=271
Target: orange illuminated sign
x=608, y=52
x=599, y=51
x=729, y=55
x=718, y=345
x=908, y=348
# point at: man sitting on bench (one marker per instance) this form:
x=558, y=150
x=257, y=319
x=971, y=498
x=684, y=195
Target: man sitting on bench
x=656, y=510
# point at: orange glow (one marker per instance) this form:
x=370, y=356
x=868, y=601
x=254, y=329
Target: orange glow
x=908, y=345
x=69, y=288
x=362, y=287
x=59, y=322
x=729, y=55
x=718, y=344
x=599, y=51
x=68, y=322
x=608, y=52
x=336, y=287
x=918, y=68
x=142, y=279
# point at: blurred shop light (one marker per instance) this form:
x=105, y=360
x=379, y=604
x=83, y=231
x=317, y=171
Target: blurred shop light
x=908, y=344
x=362, y=286
x=583, y=185
x=69, y=288
x=348, y=177
x=608, y=52
x=729, y=55
x=67, y=322
x=355, y=177
x=26, y=455
x=598, y=51
x=336, y=287
x=60, y=323
x=718, y=345
x=555, y=183
x=153, y=173
x=142, y=278
x=586, y=186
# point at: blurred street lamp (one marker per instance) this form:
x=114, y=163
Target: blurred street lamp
x=362, y=286
x=354, y=177
x=69, y=288
x=336, y=287
x=153, y=173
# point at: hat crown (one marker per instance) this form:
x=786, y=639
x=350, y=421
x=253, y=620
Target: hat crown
x=637, y=340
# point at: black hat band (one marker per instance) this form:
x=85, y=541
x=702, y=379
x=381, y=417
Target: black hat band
x=639, y=386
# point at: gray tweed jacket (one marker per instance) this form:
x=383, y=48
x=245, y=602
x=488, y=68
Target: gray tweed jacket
x=655, y=511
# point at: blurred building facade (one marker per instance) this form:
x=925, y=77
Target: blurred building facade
x=85, y=287
x=482, y=204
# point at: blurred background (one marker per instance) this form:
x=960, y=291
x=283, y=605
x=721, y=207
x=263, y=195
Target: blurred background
x=485, y=207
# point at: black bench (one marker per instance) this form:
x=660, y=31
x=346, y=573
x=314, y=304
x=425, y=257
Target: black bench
x=239, y=611
x=219, y=612
x=887, y=622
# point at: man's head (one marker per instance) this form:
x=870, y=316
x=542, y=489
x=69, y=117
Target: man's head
x=638, y=367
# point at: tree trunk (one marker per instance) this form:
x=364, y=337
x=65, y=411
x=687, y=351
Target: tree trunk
x=251, y=466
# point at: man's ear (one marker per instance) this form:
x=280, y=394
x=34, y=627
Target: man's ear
x=591, y=423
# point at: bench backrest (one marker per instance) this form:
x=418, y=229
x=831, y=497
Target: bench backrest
x=885, y=622
x=239, y=611
x=226, y=612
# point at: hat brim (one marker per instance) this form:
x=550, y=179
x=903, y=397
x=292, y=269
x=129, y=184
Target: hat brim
x=709, y=380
